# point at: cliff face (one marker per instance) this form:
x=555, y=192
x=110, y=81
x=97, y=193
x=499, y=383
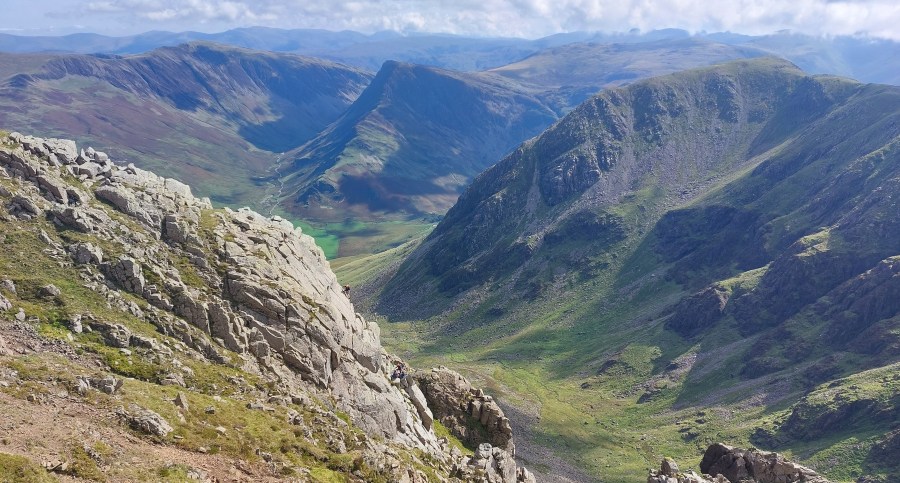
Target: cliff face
x=235, y=290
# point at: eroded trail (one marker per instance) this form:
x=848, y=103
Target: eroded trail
x=270, y=202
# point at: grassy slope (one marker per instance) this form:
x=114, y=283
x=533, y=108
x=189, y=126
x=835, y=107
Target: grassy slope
x=551, y=354
x=545, y=359
x=355, y=239
x=359, y=269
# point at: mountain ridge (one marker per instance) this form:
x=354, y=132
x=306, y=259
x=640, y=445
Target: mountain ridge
x=392, y=129
x=689, y=249
x=230, y=105
x=860, y=57
x=399, y=163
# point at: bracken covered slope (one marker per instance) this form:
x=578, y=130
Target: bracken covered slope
x=210, y=115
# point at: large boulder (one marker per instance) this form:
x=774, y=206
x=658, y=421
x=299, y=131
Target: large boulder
x=752, y=465
x=5, y=304
x=668, y=473
x=64, y=149
x=127, y=273
x=84, y=253
x=421, y=404
x=23, y=207
x=491, y=465
x=116, y=335
x=127, y=202
x=55, y=188
x=73, y=217
x=145, y=421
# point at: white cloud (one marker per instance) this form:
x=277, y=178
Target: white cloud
x=521, y=18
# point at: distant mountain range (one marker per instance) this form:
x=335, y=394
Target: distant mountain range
x=864, y=59
x=415, y=138
x=723, y=238
x=405, y=149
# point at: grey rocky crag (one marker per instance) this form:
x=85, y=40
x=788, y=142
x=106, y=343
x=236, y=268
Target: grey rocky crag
x=466, y=411
x=493, y=465
x=735, y=465
x=669, y=473
x=220, y=281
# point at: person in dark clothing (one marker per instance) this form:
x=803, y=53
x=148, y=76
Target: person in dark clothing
x=399, y=372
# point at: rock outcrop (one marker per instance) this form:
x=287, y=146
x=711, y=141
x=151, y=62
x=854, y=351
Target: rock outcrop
x=668, y=473
x=694, y=314
x=146, y=421
x=256, y=284
x=226, y=280
x=466, y=411
x=752, y=465
x=735, y=465
x=492, y=465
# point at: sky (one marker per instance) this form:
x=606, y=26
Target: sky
x=489, y=18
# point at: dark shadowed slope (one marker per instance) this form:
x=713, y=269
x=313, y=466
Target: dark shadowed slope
x=216, y=109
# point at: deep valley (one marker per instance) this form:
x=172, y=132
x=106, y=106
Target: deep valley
x=429, y=258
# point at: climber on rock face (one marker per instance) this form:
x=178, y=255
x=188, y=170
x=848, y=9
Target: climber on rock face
x=346, y=291
x=399, y=373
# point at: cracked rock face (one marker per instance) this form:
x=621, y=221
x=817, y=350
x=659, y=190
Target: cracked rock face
x=290, y=308
x=225, y=280
x=460, y=407
x=216, y=279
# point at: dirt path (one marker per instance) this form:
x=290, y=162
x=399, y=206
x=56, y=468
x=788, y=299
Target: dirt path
x=54, y=423
x=49, y=429
x=274, y=172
